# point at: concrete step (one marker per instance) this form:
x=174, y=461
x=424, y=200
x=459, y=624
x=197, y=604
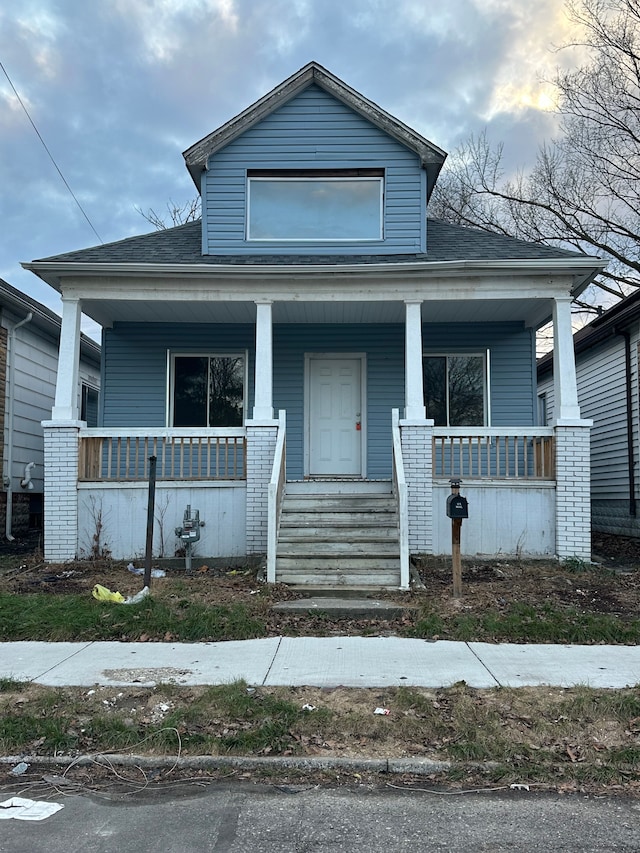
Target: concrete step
x=339, y=533
x=341, y=607
x=347, y=486
x=332, y=579
x=337, y=505
x=362, y=564
x=338, y=538
x=337, y=520
x=337, y=550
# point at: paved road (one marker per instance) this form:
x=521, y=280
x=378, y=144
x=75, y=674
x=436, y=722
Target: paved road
x=248, y=819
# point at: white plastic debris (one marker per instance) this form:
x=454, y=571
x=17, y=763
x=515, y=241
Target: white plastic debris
x=155, y=573
x=138, y=597
x=518, y=786
x=19, y=769
x=383, y=711
x=20, y=809
x=308, y=707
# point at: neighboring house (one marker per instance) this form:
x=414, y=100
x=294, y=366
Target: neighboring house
x=607, y=373
x=29, y=340
x=313, y=361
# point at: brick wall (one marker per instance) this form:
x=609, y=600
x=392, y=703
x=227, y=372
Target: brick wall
x=573, y=505
x=60, y=493
x=261, y=442
x=418, y=469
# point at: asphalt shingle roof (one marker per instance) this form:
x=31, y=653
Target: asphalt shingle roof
x=183, y=245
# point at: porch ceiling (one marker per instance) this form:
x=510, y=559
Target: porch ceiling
x=106, y=312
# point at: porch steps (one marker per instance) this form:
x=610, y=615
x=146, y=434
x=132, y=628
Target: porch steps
x=340, y=538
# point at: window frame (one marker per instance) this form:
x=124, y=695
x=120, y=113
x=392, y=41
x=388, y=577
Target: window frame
x=171, y=360
x=486, y=383
x=85, y=389
x=316, y=175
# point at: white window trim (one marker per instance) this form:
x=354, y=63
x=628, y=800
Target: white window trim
x=486, y=373
x=171, y=360
x=249, y=238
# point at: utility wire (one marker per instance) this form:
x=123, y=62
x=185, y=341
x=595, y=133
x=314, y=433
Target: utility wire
x=64, y=180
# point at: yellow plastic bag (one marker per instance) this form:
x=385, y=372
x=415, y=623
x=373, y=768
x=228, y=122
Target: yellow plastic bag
x=101, y=593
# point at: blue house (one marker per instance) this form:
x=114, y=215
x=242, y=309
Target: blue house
x=314, y=360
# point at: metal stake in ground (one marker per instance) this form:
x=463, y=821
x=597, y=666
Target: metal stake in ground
x=151, y=504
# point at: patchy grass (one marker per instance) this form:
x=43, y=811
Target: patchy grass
x=551, y=736
x=525, y=623
x=39, y=616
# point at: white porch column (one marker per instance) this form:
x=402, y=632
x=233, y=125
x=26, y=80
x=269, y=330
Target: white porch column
x=564, y=365
x=65, y=407
x=414, y=386
x=263, y=394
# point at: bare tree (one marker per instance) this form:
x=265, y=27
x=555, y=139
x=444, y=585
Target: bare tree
x=584, y=189
x=177, y=214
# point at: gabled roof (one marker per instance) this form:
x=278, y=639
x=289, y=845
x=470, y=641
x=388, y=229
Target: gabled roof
x=197, y=156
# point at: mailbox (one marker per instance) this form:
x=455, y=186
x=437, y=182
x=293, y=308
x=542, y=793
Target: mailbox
x=457, y=507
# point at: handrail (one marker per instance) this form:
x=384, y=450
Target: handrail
x=401, y=489
x=275, y=494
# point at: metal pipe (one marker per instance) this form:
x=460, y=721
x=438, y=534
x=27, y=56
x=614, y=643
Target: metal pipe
x=11, y=371
x=148, y=554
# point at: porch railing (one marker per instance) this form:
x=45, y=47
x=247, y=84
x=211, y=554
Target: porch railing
x=401, y=491
x=275, y=495
x=121, y=455
x=494, y=453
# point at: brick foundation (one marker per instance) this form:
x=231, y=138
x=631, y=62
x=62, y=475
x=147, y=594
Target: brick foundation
x=418, y=469
x=61, y=491
x=261, y=442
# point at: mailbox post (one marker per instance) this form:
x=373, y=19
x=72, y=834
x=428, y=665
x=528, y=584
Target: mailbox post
x=457, y=509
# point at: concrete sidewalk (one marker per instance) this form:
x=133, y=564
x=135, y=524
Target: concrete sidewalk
x=321, y=662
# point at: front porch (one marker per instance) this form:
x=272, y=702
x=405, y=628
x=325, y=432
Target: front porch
x=339, y=369
x=524, y=498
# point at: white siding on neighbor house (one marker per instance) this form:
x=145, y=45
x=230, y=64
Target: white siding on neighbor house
x=545, y=388
x=35, y=359
x=122, y=509
x=602, y=398
x=602, y=394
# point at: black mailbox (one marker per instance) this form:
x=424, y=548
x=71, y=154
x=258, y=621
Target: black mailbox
x=457, y=506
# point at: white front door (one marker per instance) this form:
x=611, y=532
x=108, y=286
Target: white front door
x=335, y=416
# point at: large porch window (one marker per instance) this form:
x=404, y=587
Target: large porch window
x=207, y=390
x=455, y=389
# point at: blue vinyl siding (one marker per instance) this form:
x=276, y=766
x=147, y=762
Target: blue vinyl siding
x=313, y=130
x=512, y=357
x=135, y=357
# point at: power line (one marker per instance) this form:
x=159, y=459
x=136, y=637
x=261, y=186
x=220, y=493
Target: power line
x=44, y=144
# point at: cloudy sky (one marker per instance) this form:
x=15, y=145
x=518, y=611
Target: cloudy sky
x=119, y=88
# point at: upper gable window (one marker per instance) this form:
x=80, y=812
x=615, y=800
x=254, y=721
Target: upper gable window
x=331, y=205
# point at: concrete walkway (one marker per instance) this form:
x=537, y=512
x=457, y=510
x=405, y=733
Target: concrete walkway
x=321, y=662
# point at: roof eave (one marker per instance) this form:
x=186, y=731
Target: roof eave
x=583, y=269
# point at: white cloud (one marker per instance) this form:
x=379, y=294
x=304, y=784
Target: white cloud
x=166, y=26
